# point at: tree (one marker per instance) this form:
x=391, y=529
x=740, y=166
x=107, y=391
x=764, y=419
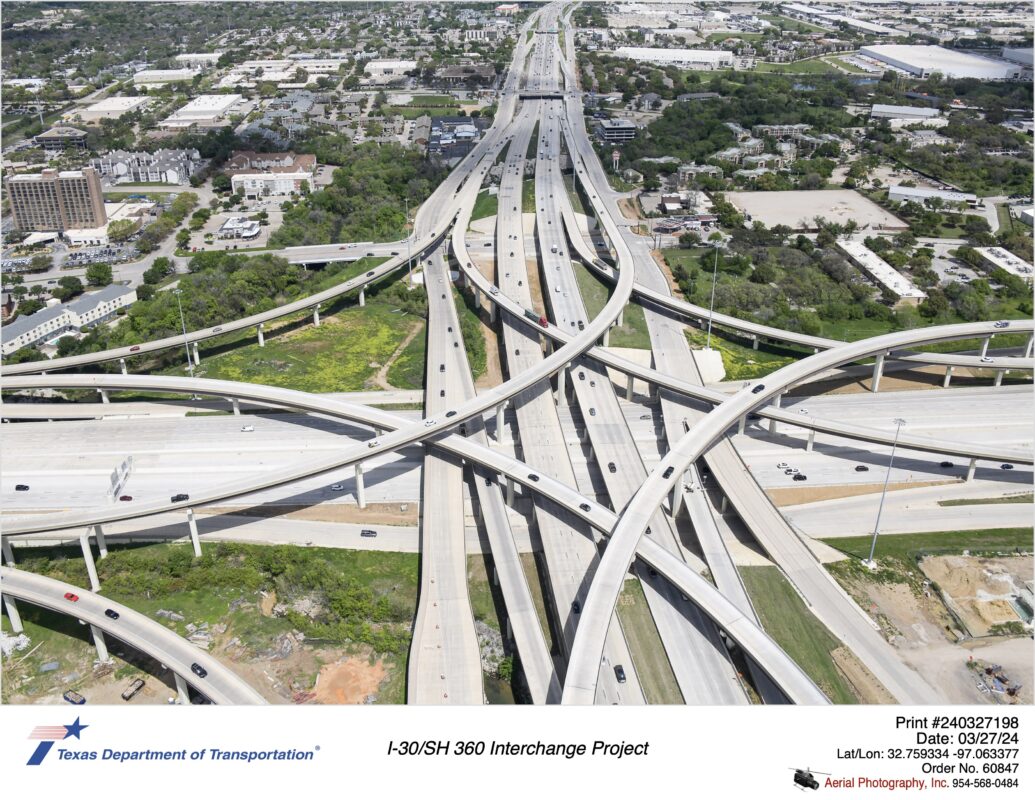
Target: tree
x=121, y=229
x=690, y=239
x=222, y=183
x=68, y=287
x=40, y=262
x=99, y=274
x=182, y=238
x=30, y=306
x=145, y=291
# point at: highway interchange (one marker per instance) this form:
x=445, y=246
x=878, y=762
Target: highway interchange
x=587, y=548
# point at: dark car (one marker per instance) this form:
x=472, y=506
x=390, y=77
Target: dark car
x=619, y=673
x=126, y=498
x=799, y=477
x=584, y=506
x=668, y=472
x=1006, y=466
x=198, y=670
x=111, y=613
x=450, y=413
x=576, y=606
x=179, y=498
x=759, y=388
x=862, y=468
x=611, y=466
x=370, y=274
x=368, y=533
x=134, y=348
x=22, y=487
x=72, y=598
x=946, y=465
x=533, y=477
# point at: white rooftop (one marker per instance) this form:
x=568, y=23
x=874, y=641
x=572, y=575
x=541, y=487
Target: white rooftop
x=117, y=104
x=673, y=55
x=207, y=106
x=881, y=271
x=1008, y=261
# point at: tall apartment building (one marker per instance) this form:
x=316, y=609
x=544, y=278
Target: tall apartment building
x=57, y=201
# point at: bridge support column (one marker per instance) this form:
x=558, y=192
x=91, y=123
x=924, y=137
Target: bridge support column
x=621, y=318
x=100, y=644
x=606, y=338
x=724, y=504
x=999, y=377
x=102, y=544
x=8, y=554
x=674, y=498
x=1028, y=346
x=91, y=568
x=362, y=297
x=237, y=406
x=197, y=356
x=361, y=496
x=754, y=342
x=182, y=695
x=560, y=384
x=12, y=614
x=971, y=469
x=811, y=441
x=629, y=388
x=742, y=424
x=776, y=404
x=510, y=491
x=499, y=422
x=104, y=396
x=984, y=346
x=878, y=371
x=492, y=312
x=192, y=524
x=262, y=338
x=316, y=316
x=948, y=378
x=477, y=297
x=122, y=364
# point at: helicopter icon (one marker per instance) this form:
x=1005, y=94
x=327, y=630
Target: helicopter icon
x=804, y=778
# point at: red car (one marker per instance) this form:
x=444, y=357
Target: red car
x=72, y=598
x=134, y=348
x=126, y=498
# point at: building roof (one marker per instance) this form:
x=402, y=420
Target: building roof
x=944, y=194
x=881, y=270
x=62, y=132
x=905, y=111
x=81, y=305
x=674, y=55
x=931, y=58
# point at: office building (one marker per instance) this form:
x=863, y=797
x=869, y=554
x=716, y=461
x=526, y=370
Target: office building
x=57, y=201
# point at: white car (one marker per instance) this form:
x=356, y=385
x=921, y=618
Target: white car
x=337, y=487
x=248, y=429
x=494, y=290
x=430, y=422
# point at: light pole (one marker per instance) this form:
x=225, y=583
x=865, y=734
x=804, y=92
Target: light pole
x=711, y=304
x=183, y=326
x=409, y=243
x=880, y=508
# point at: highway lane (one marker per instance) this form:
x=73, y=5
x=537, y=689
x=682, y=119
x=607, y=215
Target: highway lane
x=445, y=663
x=698, y=658
x=828, y=602
x=220, y=685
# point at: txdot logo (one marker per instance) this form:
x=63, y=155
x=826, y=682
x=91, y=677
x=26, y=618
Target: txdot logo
x=48, y=734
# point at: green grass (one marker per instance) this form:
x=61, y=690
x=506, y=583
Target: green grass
x=593, y=290
x=1006, y=222
x=741, y=362
x=905, y=548
x=787, y=23
x=432, y=100
x=407, y=371
x=648, y=653
x=721, y=37
x=119, y=195
x=810, y=66
x=409, y=112
x=785, y=617
x=487, y=205
x=334, y=357
x=535, y=586
x=484, y=607
x=528, y=196
x=56, y=637
x=574, y=195
x=1025, y=497
x=633, y=331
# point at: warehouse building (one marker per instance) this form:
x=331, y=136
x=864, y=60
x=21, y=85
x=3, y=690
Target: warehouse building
x=1004, y=259
x=160, y=77
x=923, y=60
x=205, y=111
x=679, y=57
x=109, y=108
x=906, y=292
x=918, y=194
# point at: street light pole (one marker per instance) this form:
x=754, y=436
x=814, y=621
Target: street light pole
x=409, y=243
x=183, y=326
x=880, y=508
x=711, y=304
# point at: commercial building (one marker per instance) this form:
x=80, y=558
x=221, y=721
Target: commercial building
x=922, y=60
x=906, y=292
x=109, y=108
x=679, y=57
x=57, y=201
x=911, y=113
x=278, y=181
x=160, y=77
x=1018, y=55
x=116, y=212
x=198, y=59
x=785, y=131
x=616, y=130
x=206, y=111
x=1004, y=259
x=917, y=194
x=51, y=323
x=386, y=71
x=61, y=138
x=239, y=228
x=161, y=166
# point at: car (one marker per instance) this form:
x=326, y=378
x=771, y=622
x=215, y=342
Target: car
x=74, y=698
x=21, y=487
x=582, y=325
x=134, y=348
x=430, y=422
x=512, y=252
x=800, y=477
x=668, y=472
x=986, y=360
x=441, y=367
x=198, y=670
x=216, y=330
x=584, y=506
x=371, y=275
x=1002, y=324
x=248, y=429
x=946, y=465
x=449, y=328
x=592, y=412
x=619, y=673
x=373, y=443
x=369, y=253
x=179, y=498
x=533, y=477
x=576, y=606
x=861, y=468
x=1006, y=466
x=441, y=392
x=368, y=533
x=337, y=487
x=71, y=598
x=611, y=467
x=653, y=572
x=759, y=388
x=126, y=498
x=111, y=613
x=782, y=465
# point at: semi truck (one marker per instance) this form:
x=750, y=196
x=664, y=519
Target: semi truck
x=543, y=321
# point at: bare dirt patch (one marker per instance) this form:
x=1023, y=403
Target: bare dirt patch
x=381, y=378
x=349, y=682
x=387, y=513
x=532, y=267
x=791, y=495
x=864, y=684
x=672, y=285
x=629, y=208
x=979, y=590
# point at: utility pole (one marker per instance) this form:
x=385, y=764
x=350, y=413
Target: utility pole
x=183, y=326
x=711, y=305
x=409, y=243
x=880, y=508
